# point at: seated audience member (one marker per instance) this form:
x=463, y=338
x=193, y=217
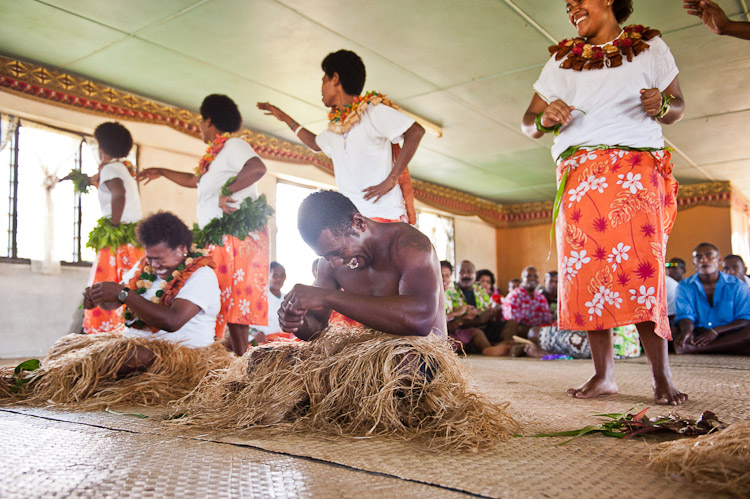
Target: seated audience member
x=676, y=268
x=525, y=305
x=486, y=278
x=171, y=300
x=549, y=290
x=513, y=284
x=671, y=286
x=273, y=332
x=735, y=265
x=713, y=308
x=489, y=317
x=549, y=340
x=471, y=339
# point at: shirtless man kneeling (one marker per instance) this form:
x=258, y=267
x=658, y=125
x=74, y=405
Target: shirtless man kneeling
x=384, y=275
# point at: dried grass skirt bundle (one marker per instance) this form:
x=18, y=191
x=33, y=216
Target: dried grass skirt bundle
x=355, y=382
x=719, y=462
x=80, y=372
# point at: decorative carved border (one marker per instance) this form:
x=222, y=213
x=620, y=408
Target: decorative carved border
x=63, y=89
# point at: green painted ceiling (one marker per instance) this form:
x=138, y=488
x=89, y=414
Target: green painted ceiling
x=467, y=65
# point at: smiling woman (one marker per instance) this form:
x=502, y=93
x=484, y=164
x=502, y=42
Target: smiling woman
x=605, y=103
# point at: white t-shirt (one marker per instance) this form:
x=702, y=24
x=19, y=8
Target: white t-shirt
x=363, y=157
x=226, y=164
x=202, y=289
x=274, y=304
x=131, y=213
x=611, y=99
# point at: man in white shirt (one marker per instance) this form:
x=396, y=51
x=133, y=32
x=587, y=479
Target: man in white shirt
x=360, y=137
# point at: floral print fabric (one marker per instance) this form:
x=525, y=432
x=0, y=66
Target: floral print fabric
x=526, y=309
x=242, y=270
x=109, y=266
x=615, y=218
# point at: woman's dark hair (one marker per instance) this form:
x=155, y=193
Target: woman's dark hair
x=223, y=112
x=325, y=210
x=164, y=227
x=489, y=274
x=114, y=139
x=447, y=265
x=350, y=68
x=622, y=10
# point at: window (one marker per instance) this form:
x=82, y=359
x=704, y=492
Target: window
x=44, y=215
x=291, y=250
x=440, y=230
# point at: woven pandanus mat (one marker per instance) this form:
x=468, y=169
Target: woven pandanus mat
x=60, y=459
x=591, y=466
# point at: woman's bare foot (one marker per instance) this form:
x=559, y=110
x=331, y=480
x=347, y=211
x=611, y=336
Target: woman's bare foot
x=534, y=351
x=665, y=393
x=594, y=387
x=500, y=350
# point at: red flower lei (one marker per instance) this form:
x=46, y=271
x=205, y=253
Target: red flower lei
x=582, y=55
x=214, y=148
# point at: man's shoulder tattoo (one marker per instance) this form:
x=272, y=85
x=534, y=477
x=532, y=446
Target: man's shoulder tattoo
x=417, y=241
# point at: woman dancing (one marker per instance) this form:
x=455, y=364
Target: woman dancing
x=605, y=95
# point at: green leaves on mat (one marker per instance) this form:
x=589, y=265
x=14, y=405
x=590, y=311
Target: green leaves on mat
x=134, y=414
x=628, y=425
x=27, y=365
x=19, y=379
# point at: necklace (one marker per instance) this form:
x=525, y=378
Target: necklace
x=340, y=121
x=214, y=148
x=583, y=55
x=168, y=288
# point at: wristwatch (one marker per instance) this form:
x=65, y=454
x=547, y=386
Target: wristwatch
x=123, y=295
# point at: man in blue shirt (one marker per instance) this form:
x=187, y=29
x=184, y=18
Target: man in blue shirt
x=713, y=308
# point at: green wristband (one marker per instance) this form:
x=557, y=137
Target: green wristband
x=665, y=106
x=225, y=188
x=538, y=122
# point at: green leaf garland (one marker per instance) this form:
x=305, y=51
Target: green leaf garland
x=251, y=216
x=105, y=234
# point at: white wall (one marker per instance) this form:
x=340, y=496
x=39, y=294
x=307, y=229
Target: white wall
x=475, y=241
x=37, y=309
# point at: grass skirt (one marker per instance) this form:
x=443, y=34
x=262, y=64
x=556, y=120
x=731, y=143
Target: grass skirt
x=80, y=372
x=719, y=462
x=354, y=382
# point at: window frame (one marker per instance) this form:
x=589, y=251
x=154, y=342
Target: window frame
x=12, y=240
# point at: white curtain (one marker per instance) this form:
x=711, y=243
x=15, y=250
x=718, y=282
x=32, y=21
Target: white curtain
x=8, y=125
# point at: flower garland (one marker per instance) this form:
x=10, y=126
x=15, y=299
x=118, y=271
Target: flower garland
x=142, y=281
x=583, y=55
x=105, y=234
x=214, y=148
x=341, y=121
